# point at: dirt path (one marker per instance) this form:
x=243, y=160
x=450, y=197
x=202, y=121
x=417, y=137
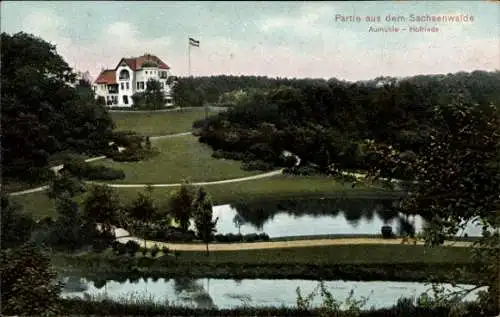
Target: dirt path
x=276, y=244
x=233, y=180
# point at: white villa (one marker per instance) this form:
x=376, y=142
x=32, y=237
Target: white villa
x=129, y=77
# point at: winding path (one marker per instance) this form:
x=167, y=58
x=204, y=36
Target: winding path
x=168, y=136
x=57, y=168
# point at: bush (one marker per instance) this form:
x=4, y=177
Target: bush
x=131, y=247
x=127, y=139
x=289, y=161
x=101, y=172
x=302, y=170
x=81, y=169
x=133, y=154
x=252, y=237
x=257, y=165
x=154, y=250
x=387, y=232
x=159, y=232
x=263, y=237
x=219, y=154
x=119, y=248
x=235, y=238
x=237, y=156
x=165, y=250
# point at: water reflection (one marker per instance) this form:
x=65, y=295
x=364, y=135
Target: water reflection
x=225, y=293
x=303, y=217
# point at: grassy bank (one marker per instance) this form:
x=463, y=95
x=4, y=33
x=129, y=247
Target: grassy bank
x=278, y=187
x=158, y=123
x=149, y=308
x=349, y=262
x=180, y=158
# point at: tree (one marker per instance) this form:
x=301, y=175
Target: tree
x=28, y=287
x=203, y=217
x=458, y=176
x=238, y=221
x=143, y=207
x=69, y=229
x=152, y=98
x=16, y=227
x=181, y=205
x=65, y=184
x=43, y=112
x=101, y=205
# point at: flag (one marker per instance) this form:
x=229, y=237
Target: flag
x=194, y=42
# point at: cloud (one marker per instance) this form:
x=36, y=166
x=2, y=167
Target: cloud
x=300, y=43
x=309, y=20
x=117, y=39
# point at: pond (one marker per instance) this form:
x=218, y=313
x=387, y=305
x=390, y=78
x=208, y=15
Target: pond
x=227, y=294
x=306, y=217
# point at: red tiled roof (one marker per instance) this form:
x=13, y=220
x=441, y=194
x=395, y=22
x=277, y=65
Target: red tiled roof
x=107, y=77
x=135, y=63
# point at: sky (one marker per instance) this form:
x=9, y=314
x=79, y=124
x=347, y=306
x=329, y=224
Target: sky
x=276, y=39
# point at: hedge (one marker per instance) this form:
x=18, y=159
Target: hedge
x=81, y=169
x=157, y=232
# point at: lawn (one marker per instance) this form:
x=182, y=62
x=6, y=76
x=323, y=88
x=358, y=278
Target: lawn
x=339, y=254
x=180, y=158
x=158, y=123
x=279, y=187
x=346, y=262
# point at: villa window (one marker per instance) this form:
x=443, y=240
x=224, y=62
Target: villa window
x=138, y=85
x=128, y=87
x=124, y=75
x=146, y=72
x=141, y=85
x=125, y=100
x=121, y=86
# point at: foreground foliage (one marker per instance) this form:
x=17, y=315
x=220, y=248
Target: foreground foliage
x=458, y=181
x=45, y=110
x=404, y=308
x=28, y=287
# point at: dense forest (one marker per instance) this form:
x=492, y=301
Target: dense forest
x=46, y=109
x=224, y=90
x=327, y=123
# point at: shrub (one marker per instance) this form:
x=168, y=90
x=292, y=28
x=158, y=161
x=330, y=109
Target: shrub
x=165, y=250
x=252, y=237
x=237, y=156
x=154, y=250
x=289, y=161
x=101, y=172
x=131, y=247
x=81, y=169
x=263, y=237
x=218, y=154
x=303, y=170
x=127, y=138
x=111, y=150
x=133, y=154
x=119, y=248
x=235, y=238
x=159, y=232
x=387, y=232
x=257, y=165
